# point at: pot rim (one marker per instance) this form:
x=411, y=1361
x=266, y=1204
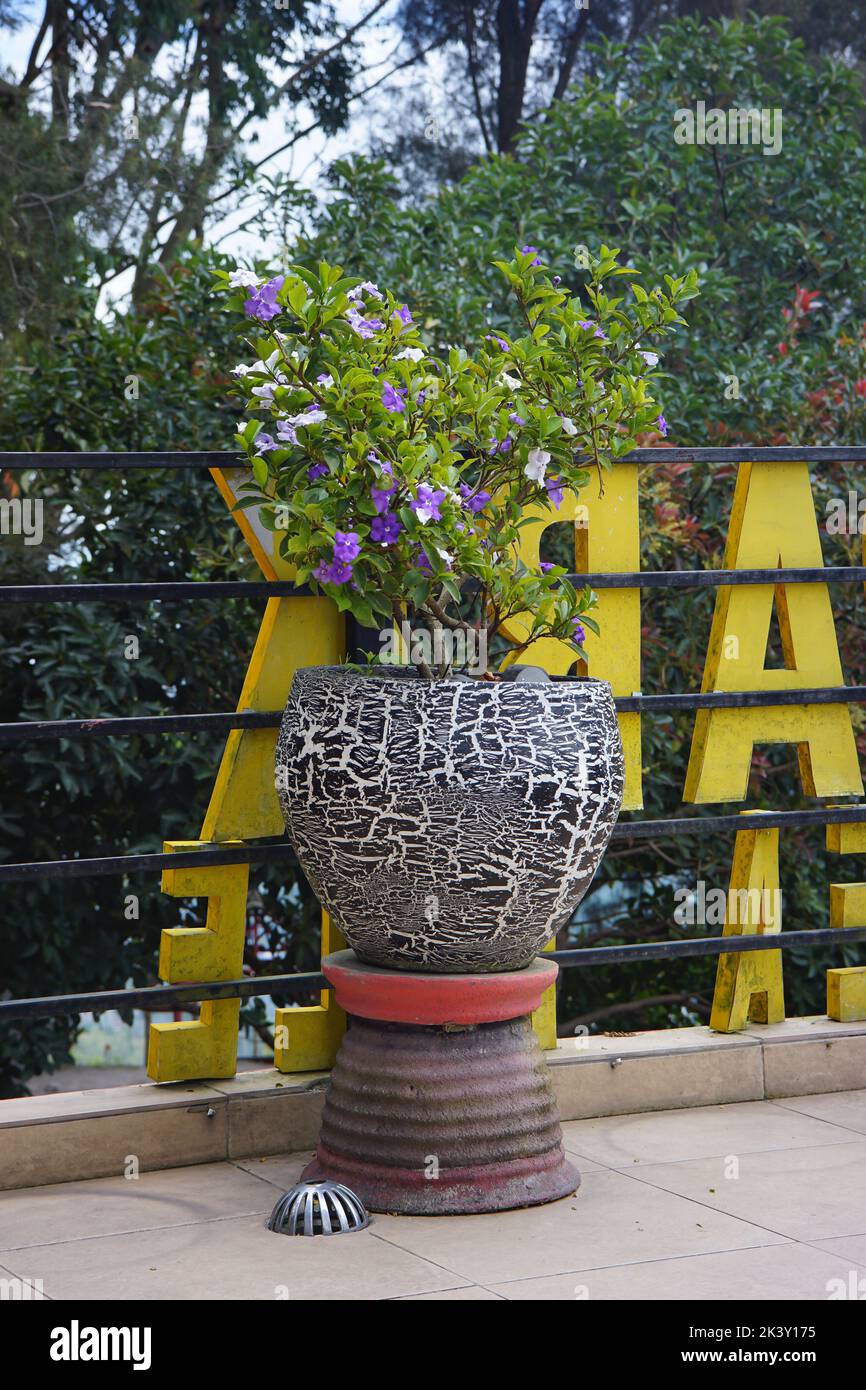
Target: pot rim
x=576, y=684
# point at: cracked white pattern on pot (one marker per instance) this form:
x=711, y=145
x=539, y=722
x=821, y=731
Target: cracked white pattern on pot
x=448, y=825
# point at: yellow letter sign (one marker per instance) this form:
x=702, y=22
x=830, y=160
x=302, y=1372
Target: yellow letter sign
x=773, y=524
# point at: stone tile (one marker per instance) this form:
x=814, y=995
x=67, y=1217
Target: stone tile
x=672, y=1136
x=109, y=1100
x=268, y=1081
x=630, y=1081
x=75, y=1210
x=467, y=1293
x=802, y=1194
x=646, y=1044
x=195, y=1131
x=812, y=1065
x=570, y=1132
x=232, y=1259
x=274, y=1123
x=844, y=1108
x=281, y=1170
x=809, y=1027
x=852, y=1250
x=777, y=1273
x=612, y=1220
x=32, y=1294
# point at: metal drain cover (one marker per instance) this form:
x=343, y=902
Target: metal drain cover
x=318, y=1209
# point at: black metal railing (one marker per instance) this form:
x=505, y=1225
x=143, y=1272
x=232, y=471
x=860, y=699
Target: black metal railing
x=699, y=824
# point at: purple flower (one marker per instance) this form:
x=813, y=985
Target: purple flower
x=579, y=634
x=382, y=497
x=590, y=323
x=393, y=399
x=335, y=573
x=317, y=470
x=347, y=547
x=264, y=443
x=286, y=432
x=475, y=503
x=545, y=566
x=403, y=314
x=427, y=503
x=557, y=280
x=492, y=338
x=531, y=251
x=365, y=328
x=662, y=425
x=324, y=379
x=262, y=303
x=554, y=490
x=385, y=529
x=516, y=419
x=421, y=561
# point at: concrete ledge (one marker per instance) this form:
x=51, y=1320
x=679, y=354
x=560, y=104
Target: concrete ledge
x=92, y=1134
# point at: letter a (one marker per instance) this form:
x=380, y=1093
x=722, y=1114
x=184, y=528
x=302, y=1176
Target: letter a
x=773, y=524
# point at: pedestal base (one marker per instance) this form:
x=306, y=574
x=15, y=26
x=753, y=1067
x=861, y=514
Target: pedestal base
x=442, y=1104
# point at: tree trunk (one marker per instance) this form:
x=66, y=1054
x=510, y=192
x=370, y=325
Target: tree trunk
x=514, y=36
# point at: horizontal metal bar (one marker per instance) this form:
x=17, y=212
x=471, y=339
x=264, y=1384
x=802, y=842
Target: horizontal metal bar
x=121, y=460
x=26, y=731
x=709, y=579
x=147, y=724
x=144, y=592
x=122, y=864
x=164, y=997
x=167, y=458
x=156, y=997
x=705, y=946
x=738, y=699
x=277, y=852
x=179, y=590
x=745, y=820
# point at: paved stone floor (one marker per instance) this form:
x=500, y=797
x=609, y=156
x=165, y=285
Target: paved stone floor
x=760, y=1200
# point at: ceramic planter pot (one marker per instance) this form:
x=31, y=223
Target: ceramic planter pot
x=448, y=826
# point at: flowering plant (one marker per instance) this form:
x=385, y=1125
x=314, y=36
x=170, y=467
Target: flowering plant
x=399, y=478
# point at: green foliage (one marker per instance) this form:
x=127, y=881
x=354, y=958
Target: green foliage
x=106, y=796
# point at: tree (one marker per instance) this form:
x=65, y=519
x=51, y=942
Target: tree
x=129, y=117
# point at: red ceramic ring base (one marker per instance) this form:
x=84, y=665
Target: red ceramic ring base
x=408, y=996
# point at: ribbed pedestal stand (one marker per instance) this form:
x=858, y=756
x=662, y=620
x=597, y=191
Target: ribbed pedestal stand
x=440, y=1100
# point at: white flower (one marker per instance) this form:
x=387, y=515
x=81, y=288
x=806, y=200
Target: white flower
x=449, y=559
x=241, y=369
x=266, y=392
x=568, y=425
x=538, y=459
x=246, y=279
x=512, y=382
x=651, y=358
x=414, y=354
x=366, y=287
x=308, y=417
